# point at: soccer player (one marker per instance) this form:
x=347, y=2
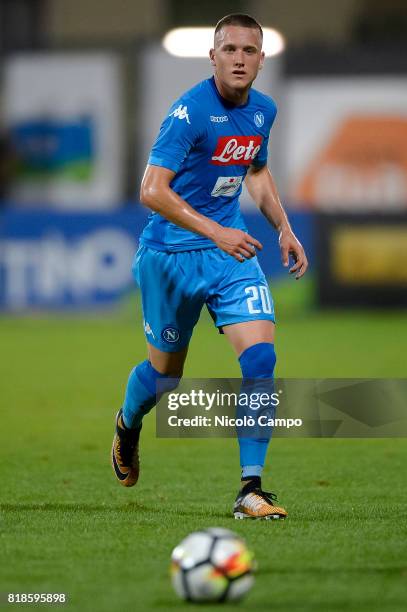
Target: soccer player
x=195, y=249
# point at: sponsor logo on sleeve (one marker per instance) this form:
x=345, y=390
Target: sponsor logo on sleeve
x=226, y=186
x=181, y=112
x=236, y=150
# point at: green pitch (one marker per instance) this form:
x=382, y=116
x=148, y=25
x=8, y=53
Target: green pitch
x=67, y=526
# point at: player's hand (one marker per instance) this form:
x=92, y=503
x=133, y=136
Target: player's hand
x=291, y=246
x=237, y=243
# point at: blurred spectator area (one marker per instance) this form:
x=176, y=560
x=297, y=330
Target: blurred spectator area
x=85, y=84
x=351, y=37
x=7, y=165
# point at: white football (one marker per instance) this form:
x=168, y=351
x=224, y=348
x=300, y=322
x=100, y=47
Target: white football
x=212, y=565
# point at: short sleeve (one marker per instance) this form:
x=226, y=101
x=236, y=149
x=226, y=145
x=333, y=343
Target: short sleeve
x=179, y=132
x=261, y=157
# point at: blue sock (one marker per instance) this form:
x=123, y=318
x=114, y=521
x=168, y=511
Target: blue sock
x=141, y=392
x=256, y=362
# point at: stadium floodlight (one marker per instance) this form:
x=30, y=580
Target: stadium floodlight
x=196, y=42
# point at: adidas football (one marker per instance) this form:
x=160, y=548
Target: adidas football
x=212, y=565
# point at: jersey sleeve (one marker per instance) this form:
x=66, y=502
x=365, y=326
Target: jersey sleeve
x=261, y=157
x=179, y=132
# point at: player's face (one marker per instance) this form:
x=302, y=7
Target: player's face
x=237, y=56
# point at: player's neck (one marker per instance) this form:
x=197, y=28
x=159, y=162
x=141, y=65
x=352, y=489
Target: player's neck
x=238, y=97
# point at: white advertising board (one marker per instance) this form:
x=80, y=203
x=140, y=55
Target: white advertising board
x=64, y=113
x=346, y=143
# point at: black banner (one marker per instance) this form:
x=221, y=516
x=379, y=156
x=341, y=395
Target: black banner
x=361, y=259
x=329, y=408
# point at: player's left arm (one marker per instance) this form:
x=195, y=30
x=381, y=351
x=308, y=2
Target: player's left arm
x=263, y=190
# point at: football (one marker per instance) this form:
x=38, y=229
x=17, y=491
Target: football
x=212, y=565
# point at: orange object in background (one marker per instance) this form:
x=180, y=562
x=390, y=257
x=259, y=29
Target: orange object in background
x=362, y=167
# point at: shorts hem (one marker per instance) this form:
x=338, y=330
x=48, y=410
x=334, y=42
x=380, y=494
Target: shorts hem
x=245, y=320
x=167, y=348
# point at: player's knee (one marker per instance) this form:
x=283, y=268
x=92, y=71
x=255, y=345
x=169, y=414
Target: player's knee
x=169, y=382
x=168, y=364
x=154, y=380
x=258, y=361
x=176, y=372
x=172, y=373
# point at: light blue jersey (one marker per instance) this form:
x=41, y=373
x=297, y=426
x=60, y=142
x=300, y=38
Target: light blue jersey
x=209, y=143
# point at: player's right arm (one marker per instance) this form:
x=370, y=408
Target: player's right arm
x=156, y=194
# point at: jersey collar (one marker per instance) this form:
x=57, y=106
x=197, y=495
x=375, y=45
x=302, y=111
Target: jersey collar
x=227, y=103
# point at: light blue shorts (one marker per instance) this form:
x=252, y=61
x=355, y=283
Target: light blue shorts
x=175, y=286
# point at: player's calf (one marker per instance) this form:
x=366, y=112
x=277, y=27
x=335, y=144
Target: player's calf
x=141, y=396
x=257, y=364
x=144, y=387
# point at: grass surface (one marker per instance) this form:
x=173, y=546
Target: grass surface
x=67, y=526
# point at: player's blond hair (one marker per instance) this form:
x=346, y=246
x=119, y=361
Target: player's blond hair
x=238, y=19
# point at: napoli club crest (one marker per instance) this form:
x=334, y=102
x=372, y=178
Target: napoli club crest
x=258, y=118
x=170, y=334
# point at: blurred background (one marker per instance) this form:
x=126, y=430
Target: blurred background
x=84, y=87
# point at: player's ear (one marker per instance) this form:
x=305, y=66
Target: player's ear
x=212, y=56
x=262, y=56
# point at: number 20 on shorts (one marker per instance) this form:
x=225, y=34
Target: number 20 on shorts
x=258, y=300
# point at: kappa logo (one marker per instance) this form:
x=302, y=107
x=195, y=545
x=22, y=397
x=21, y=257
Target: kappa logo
x=170, y=334
x=220, y=119
x=236, y=150
x=181, y=112
x=148, y=329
